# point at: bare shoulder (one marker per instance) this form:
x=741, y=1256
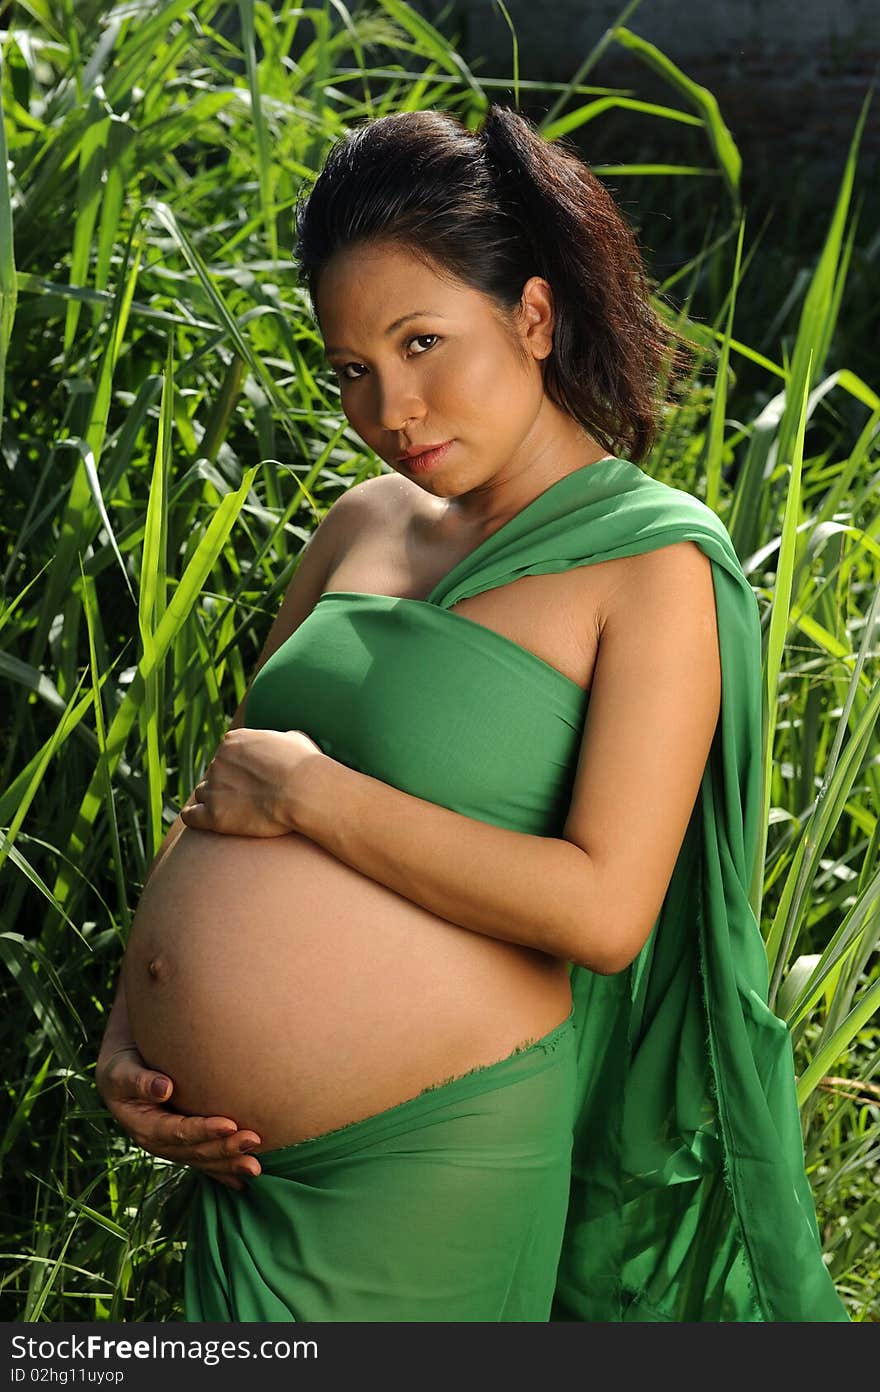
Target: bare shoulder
x=678, y=556
x=681, y=559
x=678, y=576
x=380, y=491
x=381, y=500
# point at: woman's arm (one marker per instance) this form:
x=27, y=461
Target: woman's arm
x=593, y=895
x=506, y=884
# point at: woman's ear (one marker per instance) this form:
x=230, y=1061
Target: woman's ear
x=537, y=317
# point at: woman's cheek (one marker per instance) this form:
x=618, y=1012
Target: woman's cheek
x=461, y=392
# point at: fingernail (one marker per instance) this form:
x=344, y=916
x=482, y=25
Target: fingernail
x=159, y=1087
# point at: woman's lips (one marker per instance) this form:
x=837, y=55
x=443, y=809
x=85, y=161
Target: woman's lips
x=419, y=463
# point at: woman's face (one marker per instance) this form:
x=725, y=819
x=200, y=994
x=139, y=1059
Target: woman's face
x=452, y=371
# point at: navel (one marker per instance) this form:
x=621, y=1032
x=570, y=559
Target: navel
x=158, y=969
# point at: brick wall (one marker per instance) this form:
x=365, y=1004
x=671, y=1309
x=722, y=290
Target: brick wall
x=790, y=76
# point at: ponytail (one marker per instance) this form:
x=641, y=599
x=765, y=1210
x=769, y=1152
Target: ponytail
x=493, y=209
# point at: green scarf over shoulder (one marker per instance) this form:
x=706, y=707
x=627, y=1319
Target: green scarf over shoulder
x=689, y=1199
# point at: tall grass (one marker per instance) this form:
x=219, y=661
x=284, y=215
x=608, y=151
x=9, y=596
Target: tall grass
x=170, y=438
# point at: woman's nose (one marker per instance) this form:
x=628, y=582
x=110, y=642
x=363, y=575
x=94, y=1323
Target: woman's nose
x=397, y=406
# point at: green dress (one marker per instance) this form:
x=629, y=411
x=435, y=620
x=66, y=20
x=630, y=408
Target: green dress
x=687, y=1198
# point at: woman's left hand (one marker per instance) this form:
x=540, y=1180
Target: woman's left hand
x=249, y=787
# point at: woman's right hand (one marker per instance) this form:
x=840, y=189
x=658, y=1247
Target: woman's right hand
x=137, y=1099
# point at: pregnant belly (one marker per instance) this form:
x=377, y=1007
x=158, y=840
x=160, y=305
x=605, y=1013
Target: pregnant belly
x=278, y=986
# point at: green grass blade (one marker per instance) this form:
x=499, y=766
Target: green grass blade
x=57, y=738
x=701, y=99
x=184, y=597
x=591, y=110
x=841, y=771
x=718, y=411
x=515, y=51
x=89, y=196
x=433, y=45
x=573, y=87
x=89, y=606
x=151, y=603
x=817, y=319
x=23, y=1109
x=779, y=625
x=8, y=281
x=860, y=923
x=839, y=1042
x=667, y=170
x=94, y=485
x=264, y=159
x=79, y=521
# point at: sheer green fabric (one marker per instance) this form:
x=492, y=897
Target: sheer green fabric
x=688, y=1198
x=449, y=1206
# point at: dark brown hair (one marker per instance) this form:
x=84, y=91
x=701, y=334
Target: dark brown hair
x=493, y=209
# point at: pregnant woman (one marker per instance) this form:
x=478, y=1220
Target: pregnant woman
x=454, y=934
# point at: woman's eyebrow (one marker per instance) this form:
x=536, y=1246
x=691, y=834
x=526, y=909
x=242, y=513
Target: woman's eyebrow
x=415, y=314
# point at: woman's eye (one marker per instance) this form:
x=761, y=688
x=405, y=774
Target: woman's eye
x=342, y=372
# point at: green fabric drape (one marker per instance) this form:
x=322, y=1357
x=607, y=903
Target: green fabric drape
x=689, y=1198
x=449, y=1206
